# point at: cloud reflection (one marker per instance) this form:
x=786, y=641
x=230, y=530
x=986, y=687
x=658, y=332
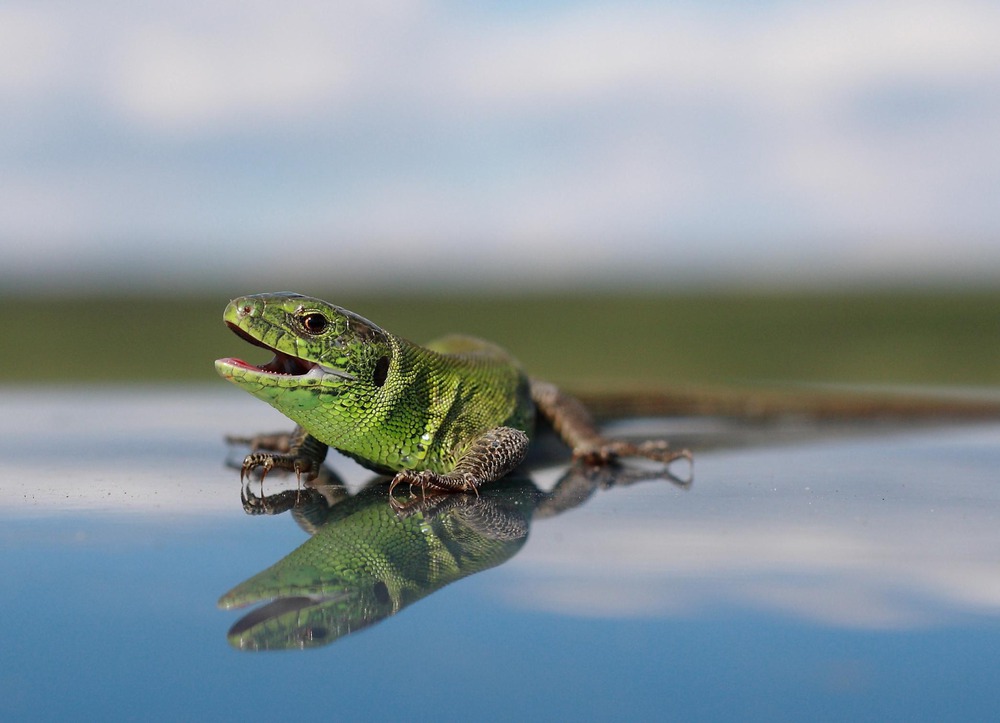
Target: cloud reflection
x=886, y=536
x=887, y=532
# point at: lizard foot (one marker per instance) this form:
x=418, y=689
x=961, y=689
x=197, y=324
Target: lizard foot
x=611, y=450
x=434, y=483
x=266, y=461
x=298, y=452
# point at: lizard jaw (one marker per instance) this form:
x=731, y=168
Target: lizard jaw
x=281, y=364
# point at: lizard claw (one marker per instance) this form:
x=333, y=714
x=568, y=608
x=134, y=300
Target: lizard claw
x=422, y=479
x=252, y=504
x=395, y=481
x=256, y=460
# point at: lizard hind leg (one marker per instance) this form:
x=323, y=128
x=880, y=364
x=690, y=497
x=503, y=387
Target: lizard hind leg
x=577, y=428
x=611, y=449
x=491, y=456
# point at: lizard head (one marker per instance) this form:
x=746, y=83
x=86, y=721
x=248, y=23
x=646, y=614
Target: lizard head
x=319, y=350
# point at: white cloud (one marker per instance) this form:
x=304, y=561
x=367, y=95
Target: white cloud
x=812, y=54
x=169, y=75
x=29, y=51
x=593, y=54
x=782, y=125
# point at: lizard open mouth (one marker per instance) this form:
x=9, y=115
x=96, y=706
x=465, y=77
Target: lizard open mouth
x=282, y=364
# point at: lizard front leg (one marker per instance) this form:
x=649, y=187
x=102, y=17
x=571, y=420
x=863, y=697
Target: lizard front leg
x=298, y=452
x=574, y=424
x=491, y=456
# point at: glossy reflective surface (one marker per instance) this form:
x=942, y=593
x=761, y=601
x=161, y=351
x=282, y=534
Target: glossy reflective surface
x=847, y=573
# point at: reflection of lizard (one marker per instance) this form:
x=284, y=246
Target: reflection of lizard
x=449, y=416
x=366, y=559
x=364, y=562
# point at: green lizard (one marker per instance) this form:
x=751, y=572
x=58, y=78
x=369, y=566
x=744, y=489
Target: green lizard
x=449, y=416
x=364, y=562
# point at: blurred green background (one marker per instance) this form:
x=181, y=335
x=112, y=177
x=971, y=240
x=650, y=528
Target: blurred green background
x=597, y=186
x=587, y=340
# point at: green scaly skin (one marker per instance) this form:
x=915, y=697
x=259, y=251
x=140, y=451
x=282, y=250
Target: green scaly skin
x=365, y=563
x=448, y=416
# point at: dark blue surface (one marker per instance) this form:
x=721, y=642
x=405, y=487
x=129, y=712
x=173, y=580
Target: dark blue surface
x=119, y=627
x=648, y=602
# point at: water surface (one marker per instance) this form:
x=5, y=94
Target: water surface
x=823, y=574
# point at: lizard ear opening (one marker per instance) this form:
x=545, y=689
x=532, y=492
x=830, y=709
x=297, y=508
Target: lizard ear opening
x=381, y=371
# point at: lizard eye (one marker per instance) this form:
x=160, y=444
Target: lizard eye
x=381, y=371
x=315, y=323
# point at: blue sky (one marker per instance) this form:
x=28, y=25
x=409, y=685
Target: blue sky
x=409, y=141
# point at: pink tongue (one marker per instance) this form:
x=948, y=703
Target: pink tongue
x=237, y=362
